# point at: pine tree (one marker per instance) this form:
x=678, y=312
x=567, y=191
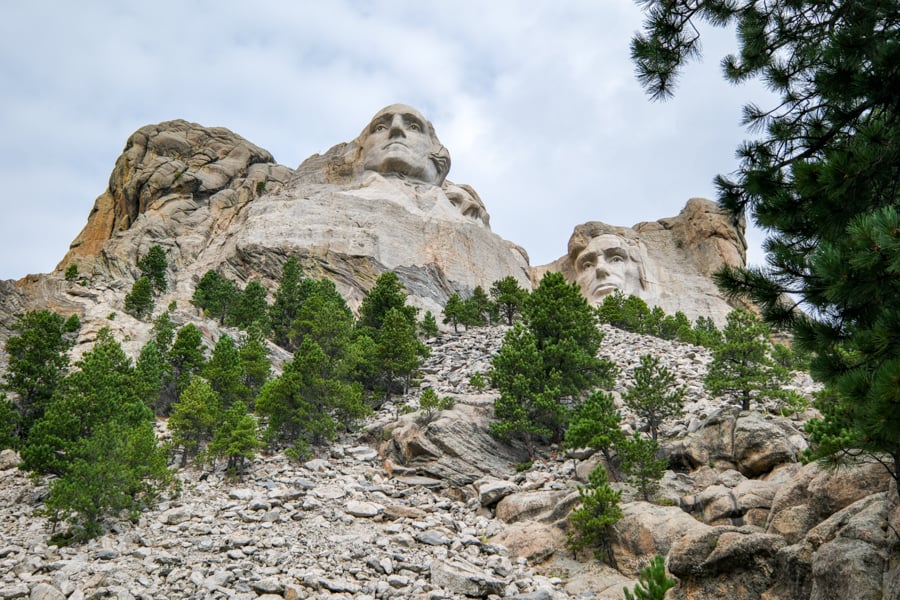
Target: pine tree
x=590, y=524
x=194, y=417
x=9, y=424
x=547, y=363
x=38, y=360
x=224, y=372
x=98, y=391
x=237, y=439
x=249, y=306
x=139, y=302
x=596, y=424
x=821, y=180
x=705, y=333
x=324, y=318
x=454, y=312
x=186, y=359
x=387, y=293
x=641, y=463
x=287, y=302
x=399, y=352
x=652, y=582
x=153, y=266
x=117, y=468
x=509, y=297
x=478, y=309
x=654, y=397
x=214, y=295
x=566, y=334
x=528, y=406
x=741, y=366
x=428, y=326
x=255, y=365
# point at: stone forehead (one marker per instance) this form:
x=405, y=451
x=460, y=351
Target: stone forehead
x=399, y=108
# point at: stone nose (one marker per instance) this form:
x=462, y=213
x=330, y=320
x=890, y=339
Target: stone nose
x=397, y=127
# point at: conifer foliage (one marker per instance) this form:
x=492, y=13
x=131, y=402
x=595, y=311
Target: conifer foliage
x=547, y=363
x=822, y=180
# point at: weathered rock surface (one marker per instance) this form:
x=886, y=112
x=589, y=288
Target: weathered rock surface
x=672, y=258
x=443, y=513
x=457, y=447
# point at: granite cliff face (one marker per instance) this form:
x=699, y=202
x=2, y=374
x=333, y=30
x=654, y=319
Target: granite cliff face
x=380, y=202
x=668, y=263
x=213, y=200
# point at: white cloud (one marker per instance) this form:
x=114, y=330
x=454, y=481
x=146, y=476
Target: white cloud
x=537, y=103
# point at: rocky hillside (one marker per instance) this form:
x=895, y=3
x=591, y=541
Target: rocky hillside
x=407, y=508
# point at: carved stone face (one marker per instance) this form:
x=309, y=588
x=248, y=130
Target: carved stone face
x=607, y=264
x=399, y=140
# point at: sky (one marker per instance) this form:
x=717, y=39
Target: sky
x=536, y=101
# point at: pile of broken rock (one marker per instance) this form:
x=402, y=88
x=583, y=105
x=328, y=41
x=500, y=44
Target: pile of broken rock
x=412, y=508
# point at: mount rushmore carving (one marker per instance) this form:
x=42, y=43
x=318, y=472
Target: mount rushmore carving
x=380, y=202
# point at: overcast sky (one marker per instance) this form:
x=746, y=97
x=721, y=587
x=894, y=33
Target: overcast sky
x=536, y=101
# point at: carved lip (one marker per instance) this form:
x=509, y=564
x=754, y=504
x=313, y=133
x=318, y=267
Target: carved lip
x=394, y=142
x=603, y=289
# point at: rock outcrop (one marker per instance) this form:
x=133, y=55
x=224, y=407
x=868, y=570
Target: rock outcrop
x=668, y=263
x=213, y=200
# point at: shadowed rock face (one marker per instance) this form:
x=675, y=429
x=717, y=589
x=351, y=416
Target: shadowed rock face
x=668, y=263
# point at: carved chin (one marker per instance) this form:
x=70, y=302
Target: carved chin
x=406, y=168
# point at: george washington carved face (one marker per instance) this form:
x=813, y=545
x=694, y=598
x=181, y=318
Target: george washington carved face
x=400, y=141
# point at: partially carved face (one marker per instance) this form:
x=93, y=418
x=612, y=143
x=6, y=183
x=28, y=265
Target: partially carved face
x=607, y=264
x=399, y=140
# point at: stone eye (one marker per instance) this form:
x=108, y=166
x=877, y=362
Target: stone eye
x=415, y=127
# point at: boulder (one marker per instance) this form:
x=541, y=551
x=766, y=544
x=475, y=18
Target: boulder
x=464, y=578
x=9, y=459
x=747, y=503
x=646, y=530
x=749, y=441
x=723, y=562
x=532, y=541
x=491, y=490
x=815, y=493
x=456, y=447
x=541, y=505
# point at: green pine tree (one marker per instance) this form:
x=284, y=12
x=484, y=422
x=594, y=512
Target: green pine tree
x=387, y=293
x=820, y=179
x=641, y=463
x=596, y=424
x=428, y=326
x=153, y=266
x=194, y=417
x=455, y=312
x=399, y=352
x=590, y=524
x=652, y=582
x=255, y=365
x=139, y=302
x=186, y=359
x=38, y=355
x=215, y=295
x=224, y=372
x=654, y=397
x=117, y=468
x=98, y=391
x=288, y=298
x=509, y=297
x=742, y=367
x=237, y=439
x=249, y=306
